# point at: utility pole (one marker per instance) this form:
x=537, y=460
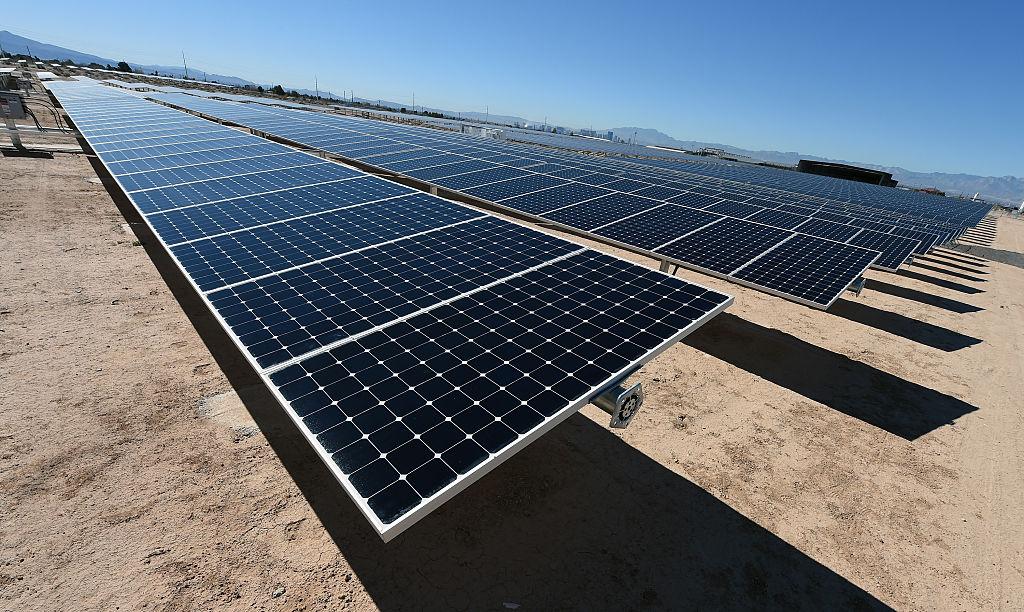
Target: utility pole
x=184, y=63
x=414, y=102
x=316, y=86
x=487, y=114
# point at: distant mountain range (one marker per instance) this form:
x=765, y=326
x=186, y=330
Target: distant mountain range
x=1009, y=189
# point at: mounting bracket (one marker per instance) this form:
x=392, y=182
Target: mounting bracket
x=621, y=403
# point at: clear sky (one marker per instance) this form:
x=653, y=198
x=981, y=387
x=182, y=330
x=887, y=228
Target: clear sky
x=929, y=86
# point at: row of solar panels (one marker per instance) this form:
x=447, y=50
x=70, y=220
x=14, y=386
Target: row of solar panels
x=806, y=259
x=415, y=342
x=906, y=204
x=923, y=229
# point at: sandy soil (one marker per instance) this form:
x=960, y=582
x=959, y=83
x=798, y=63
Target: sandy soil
x=786, y=458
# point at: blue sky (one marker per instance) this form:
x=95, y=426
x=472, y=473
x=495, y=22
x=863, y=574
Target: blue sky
x=930, y=86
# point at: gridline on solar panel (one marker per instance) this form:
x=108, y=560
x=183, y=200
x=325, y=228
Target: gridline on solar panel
x=331, y=300
x=731, y=208
x=587, y=217
x=249, y=253
x=653, y=228
x=543, y=200
x=190, y=158
x=215, y=190
x=187, y=174
x=194, y=222
x=155, y=150
x=777, y=218
x=695, y=200
x=479, y=177
x=600, y=211
x=415, y=407
x=895, y=249
x=451, y=274
x=503, y=190
x=725, y=245
x=827, y=229
x=789, y=267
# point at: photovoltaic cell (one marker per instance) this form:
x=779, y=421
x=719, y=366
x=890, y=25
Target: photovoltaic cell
x=412, y=408
x=725, y=245
x=801, y=252
x=654, y=228
x=248, y=253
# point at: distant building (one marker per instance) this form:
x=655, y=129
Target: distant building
x=610, y=135
x=931, y=190
x=844, y=171
x=590, y=133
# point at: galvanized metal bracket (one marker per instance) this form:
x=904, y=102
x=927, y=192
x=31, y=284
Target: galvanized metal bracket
x=857, y=286
x=621, y=403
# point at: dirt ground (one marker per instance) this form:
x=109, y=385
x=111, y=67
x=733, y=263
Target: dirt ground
x=870, y=456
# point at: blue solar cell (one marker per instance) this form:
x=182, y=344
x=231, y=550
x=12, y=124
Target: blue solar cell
x=777, y=218
x=480, y=363
x=287, y=315
x=480, y=177
x=725, y=245
x=601, y=211
x=213, y=190
x=194, y=222
x=537, y=202
x=506, y=189
x=175, y=176
x=654, y=228
x=242, y=255
x=828, y=229
x=840, y=265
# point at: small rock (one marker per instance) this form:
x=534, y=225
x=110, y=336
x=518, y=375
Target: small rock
x=279, y=591
x=510, y=605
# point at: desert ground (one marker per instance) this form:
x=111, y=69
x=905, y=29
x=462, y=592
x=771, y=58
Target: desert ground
x=866, y=457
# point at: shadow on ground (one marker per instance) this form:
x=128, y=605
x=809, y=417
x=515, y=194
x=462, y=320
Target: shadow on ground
x=894, y=323
x=967, y=277
x=950, y=263
x=901, y=407
x=577, y=520
x=922, y=297
x=939, y=282
x=975, y=264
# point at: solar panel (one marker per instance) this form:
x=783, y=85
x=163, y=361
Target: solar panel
x=801, y=252
x=494, y=174
x=416, y=343
x=725, y=245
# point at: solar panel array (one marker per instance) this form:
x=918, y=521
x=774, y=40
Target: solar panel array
x=628, y=205
x=415, y=342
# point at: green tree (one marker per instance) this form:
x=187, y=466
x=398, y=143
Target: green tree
x=124, y=67
x=278, y=90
